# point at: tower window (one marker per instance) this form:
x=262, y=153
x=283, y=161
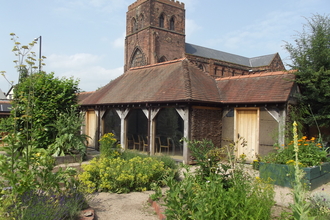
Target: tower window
x=141, y=21
x=162, y=59
x=161, y=21
x=138, y=58
x=172, y=24
x=134, y=25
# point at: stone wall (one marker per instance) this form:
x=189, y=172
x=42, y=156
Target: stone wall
x=206, y=124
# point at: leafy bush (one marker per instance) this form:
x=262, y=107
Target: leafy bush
x=122, y=176
x=168, y=162
x=68, y=138
x=204, y=153
x=191, y=198
x=311, y=153
x=129, y=154
x=218, y=189
x=320, y=205
x=109, y=146
x=43, y=205
x=31, y=171
x=39, y=99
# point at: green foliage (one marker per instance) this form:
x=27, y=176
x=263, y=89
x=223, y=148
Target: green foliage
x=69, y=138
x=300, y=207
x=43, y=205
x=123, y=176
x=311, y=153
x=158, y=192
x=201, y=151
x=320, y=205
x=310, y=57
x=191, y=198
x=26, y=168
x=28, y=181
x=218, y=189
x=109, y=146
x=39, y=100
x=129, y=154
x=168, y=162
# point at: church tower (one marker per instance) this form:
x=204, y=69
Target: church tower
x=155, y=32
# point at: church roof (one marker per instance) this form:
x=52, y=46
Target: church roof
x=172, y=81
x=273, y=87
x=228, y=57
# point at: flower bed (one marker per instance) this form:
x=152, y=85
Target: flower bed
x=313, y=159
x=283, y=175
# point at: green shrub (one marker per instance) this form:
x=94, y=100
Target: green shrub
x=311, y=153
x=123, y=176
x=129, y=154
x=191, y=198
x=320, y=205
x=168, y=162
x=68, y=139
x=109, y=146
x=218, y=189
x=43, y=205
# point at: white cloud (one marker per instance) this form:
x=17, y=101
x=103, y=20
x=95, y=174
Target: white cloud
x=93, y=77
x=120, y=41
x=262, y=37
x=75, y=61
x=85, y=67
x=191, y=27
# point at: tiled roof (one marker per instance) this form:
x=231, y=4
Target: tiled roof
x=5, y=107
x=172, y=81
x=228, y=57
x=274, y=87
x=84, y=95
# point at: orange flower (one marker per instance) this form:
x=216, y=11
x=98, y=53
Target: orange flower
x=304, y=137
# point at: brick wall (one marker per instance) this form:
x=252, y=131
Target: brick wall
x=206, y=124
x=143, y=31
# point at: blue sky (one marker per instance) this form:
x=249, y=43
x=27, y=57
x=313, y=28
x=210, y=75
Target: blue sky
x=84, y=39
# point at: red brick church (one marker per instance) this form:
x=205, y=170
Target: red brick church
x=172, y=89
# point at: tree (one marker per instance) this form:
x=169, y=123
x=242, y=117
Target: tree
x=40, y=99
x=310, y=55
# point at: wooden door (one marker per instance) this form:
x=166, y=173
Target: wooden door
x=247, y=132
x=91, y=127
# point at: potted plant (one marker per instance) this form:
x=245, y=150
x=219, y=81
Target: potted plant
x=313, y=159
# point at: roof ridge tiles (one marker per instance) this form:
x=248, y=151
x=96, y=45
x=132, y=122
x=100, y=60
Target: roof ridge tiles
x=256, y=75
x=158, y=64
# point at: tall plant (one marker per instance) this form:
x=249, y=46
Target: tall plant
x=69, y=139
x=38, y=99
x=300, y=207
x=310, y=57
